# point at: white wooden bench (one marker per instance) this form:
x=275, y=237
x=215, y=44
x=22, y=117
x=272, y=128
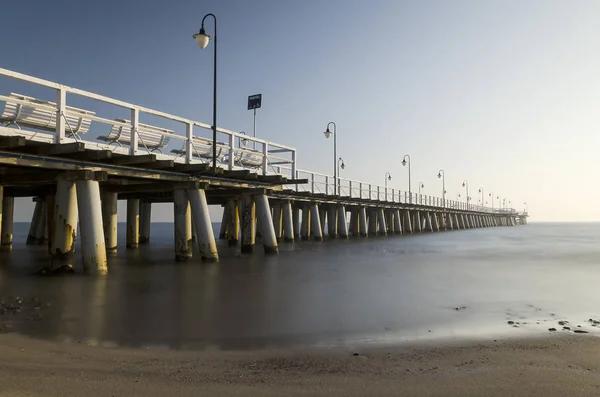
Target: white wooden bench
x=22, y=110
x=249, y=158
x=203, y=149
x=151, y=137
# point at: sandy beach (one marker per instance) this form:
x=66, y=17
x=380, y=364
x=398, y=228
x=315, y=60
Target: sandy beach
x=551, y=366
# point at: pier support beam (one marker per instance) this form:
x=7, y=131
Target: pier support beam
x=296, y=221
x=35, y=221
x=322, y=218
x=8, y=210
x=436, y=224
x=373, y=221
x=456, y=222
x=288, y=222
x=133, y=223
x=428, y=225
x=62, y=249
x=109, y=220
x=224, y=222
x=248, y=216
x=145, y=221
x=342, y=224
x=182, y=216
x=332, y=223
x=305, y=227
x=418, y=224
x=315, y=218
x=354, y=222
x=207, y=246
x=397, y=222
x=407, y=222
x=450, y=223
x=381, y=222
x=277, y=220
x=93, y=247
x=265, y=224
x=362, y=222
x=41, y=235
x=233, y=228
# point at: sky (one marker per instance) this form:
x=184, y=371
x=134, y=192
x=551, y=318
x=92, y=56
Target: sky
x=503, y=94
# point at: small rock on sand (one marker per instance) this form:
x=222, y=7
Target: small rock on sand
x=511, y=322
x=551, y=329
x=580, y=331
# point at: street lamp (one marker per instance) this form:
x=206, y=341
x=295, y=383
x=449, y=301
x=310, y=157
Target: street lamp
x=421, y=186
x=492, y=198
x=404, y=162
x=202, y=39
x=442, y=174
x=482, y=195
x=328, y=133
x=466, y=185
x=388, y=177
x=341, y=164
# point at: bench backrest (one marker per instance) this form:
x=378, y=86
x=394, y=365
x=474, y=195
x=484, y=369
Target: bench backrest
x=36, y=113
x=150, y=136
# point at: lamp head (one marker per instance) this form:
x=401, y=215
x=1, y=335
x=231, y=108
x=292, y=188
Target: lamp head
x=463, y=184
x=327, y=133
x=404, y=162
x=439, y=174
x=201, y=38
x=343, y=165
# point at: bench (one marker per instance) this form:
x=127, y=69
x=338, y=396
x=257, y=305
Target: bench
x=249, y=158
x=151, y=137
x=22, y=110
x=202, y=148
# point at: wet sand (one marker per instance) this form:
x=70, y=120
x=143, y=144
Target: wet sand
x=555, y=365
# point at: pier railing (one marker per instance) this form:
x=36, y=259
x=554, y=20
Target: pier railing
x=184, y=139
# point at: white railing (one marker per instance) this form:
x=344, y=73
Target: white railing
x=236, y=150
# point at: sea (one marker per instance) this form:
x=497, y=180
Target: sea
x=504, y=282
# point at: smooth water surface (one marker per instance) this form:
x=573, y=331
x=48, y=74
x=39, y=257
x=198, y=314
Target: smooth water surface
x=382, y=289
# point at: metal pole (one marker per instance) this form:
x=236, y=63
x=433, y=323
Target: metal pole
x=254, y=131
x=334, y=160
x=214, y=126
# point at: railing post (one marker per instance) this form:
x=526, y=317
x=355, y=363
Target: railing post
x=297, y=173
x=312, y=183
x=370, y=192
x=231, y=152
x=61, y=106
x=135, y=122
x=294, y=172
x=326, y=185
x=189, y=148
x=378, y=198
x=265, y=154
x=350, y=188
x=360, y=190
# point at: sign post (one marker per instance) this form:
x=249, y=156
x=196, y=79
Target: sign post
x=254, y=102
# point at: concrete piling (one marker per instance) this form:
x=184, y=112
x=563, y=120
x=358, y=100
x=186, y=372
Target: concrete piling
x=296, y=221
x=109, y=220
x=133, y=223
x=233, y=229
x=381, y=222
x=435, y=222
x=372, y=221
x=305, y=227
x=265, y=224
x=93, y=247
x=145, y=221
x=362, y=222
x=207, y=246
x=407, y=222
x=342, y=223
x=62, y=248
x=316, y=228
x=35, y=221
x=41, y=235
x=288, y=222
x=248, y=216
x=332, y=222
x=183, y=225
x=397, y=222
x=277, y=220
x=8, y=209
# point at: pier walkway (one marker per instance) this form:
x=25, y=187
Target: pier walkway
x=76, y=153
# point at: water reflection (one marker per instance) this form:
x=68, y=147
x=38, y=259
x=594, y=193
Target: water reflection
x=334, y=292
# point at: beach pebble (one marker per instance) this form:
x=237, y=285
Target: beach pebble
x=563, y=322
x=551, y=329
x=580, y=331
x=567, y=328
x=355, y=354
x=511, y=322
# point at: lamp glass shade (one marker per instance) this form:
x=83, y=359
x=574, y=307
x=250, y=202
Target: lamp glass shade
x=202, y=39
x=327, y=133
x=343, y=165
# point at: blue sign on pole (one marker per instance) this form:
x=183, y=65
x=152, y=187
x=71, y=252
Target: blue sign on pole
x=254, y=101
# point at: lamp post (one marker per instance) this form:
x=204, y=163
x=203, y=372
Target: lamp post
x=202, y=39
x=388, y=177
x=466, y=185
x=327, y=135
x=421, y=186
x=491, y=195
x=404, y=162
x=442, y=174
x=482, y=195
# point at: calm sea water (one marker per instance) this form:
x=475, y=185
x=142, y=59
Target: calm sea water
x=383, y=289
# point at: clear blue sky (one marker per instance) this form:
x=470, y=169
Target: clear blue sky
x=504, y=94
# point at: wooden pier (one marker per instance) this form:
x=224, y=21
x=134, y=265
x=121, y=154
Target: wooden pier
x=78, y=182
